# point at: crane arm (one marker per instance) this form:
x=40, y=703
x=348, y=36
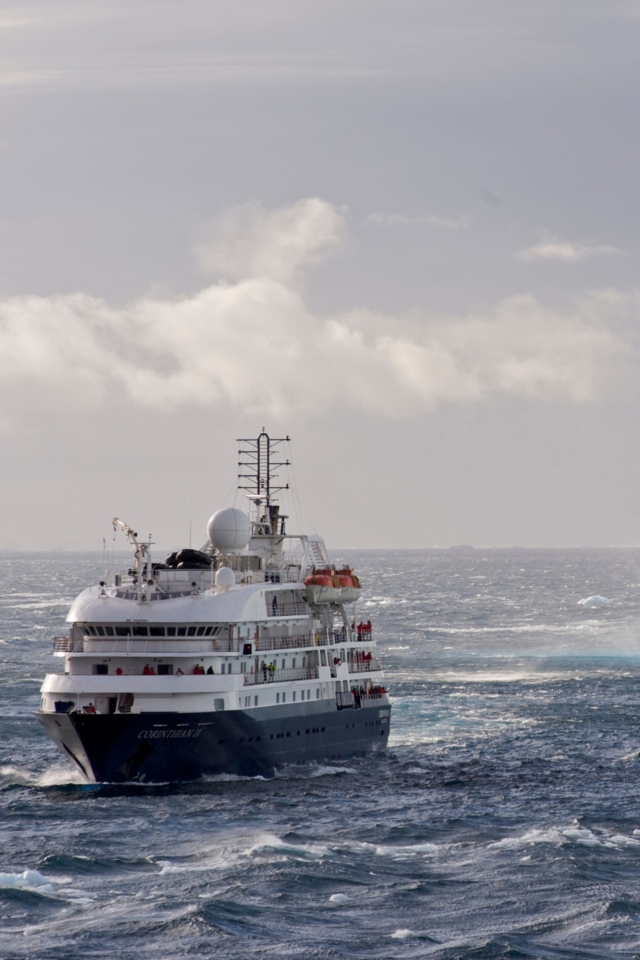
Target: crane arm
x=131, y=534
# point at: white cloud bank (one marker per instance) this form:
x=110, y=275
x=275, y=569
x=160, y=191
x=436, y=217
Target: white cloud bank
x=252, y=342
x=550, y=248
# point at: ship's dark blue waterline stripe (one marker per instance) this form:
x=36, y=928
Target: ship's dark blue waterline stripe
x=161, y=747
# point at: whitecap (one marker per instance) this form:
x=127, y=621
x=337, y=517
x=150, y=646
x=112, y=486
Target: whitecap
x=555, y=835
x=383, y=850
x=271, y=844
x=30, y=880
x=402, y=934
x=310, y=770
x=329, y=771
x=595, y=601
x=620, y=840
x=339, y=898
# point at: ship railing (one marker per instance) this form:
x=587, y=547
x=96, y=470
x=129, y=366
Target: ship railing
x=364, y=666
x=285, y=642
x=342, y=636
x=295, y=609
x=66, y=644
x=277, y=676
x=372, y=699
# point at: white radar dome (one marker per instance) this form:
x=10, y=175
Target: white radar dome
x=225, y=578
x=229, y=530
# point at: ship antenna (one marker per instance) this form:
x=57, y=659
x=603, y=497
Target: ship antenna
x=258, y=466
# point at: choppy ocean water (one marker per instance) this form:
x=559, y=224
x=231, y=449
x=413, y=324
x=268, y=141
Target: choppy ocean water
x=504, y=821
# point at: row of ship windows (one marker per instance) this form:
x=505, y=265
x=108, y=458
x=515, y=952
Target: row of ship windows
x=311, y=730
x=133, y=630
x=282, y=697
x=278, y=736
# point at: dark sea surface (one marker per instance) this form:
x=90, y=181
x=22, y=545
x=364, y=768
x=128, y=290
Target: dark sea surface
x=503, y=822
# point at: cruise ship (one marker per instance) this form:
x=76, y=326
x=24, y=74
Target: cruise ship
x=239, y=658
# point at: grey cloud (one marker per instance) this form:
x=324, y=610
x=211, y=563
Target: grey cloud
x=563, y=251
x=256, y=346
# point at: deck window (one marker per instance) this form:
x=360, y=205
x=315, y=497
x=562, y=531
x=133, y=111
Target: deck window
x=156, y=631
x=122, y=631
x=191, y=631
x=108, y=631
x=171, y=631
x=200, y=632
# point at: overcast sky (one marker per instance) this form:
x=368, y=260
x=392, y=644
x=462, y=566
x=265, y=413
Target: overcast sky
x=404, y=233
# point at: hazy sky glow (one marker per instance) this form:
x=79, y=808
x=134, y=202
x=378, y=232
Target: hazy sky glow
x=405, y=234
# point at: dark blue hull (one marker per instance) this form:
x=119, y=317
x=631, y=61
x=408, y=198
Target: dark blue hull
x=162, y=747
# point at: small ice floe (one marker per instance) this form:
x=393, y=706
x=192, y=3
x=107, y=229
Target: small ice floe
x=595, y=601
x=338, y=898
x=29, y=880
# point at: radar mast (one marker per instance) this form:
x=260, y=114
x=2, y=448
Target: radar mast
x=258, y=466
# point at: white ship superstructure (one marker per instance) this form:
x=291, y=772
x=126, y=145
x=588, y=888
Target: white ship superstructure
x=240, y=657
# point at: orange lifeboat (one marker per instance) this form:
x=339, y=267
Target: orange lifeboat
x=345, y=577
x=319, y=580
